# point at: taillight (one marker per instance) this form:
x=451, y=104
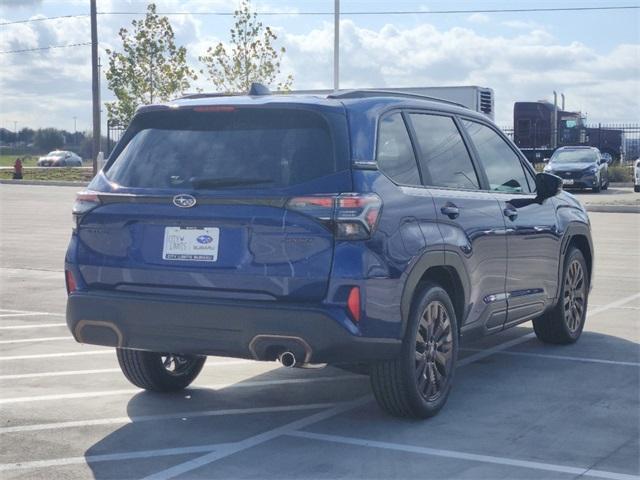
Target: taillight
x=352, y=216
x=70, y=282
x=353, y=303
x=86, y=201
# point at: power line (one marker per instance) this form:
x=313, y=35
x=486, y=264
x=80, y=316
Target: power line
x=25, y=50
x=42, y=19
x=357, y=12
x=399, y=12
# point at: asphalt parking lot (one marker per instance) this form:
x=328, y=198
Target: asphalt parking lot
x=519, y=409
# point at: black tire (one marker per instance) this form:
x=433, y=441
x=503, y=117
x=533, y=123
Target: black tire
x=401, y=386
x=636, y=188
x=597, y=188
x=564, y=323
x=152, y=370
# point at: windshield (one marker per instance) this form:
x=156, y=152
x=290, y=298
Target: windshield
x=575, y=156
x=56, y=154
x=251, y=147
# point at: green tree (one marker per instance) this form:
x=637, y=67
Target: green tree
x=150, y=68
x=46, y=139
x=251, y=56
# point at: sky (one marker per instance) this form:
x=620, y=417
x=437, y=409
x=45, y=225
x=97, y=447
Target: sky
x=593, y=57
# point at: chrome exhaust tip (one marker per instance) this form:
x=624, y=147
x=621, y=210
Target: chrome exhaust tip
x=287, y=359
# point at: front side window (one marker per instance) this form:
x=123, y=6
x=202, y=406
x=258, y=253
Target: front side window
x=394, y=153
x=501, y=164
x=444, y=156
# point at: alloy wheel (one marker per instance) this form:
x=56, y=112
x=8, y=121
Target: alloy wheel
x=433, y=351
x=177, y=364
x=574, y=296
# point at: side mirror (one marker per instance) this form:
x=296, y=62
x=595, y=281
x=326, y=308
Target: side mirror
x=603, y=161
x=546, y=160
x=547, y=185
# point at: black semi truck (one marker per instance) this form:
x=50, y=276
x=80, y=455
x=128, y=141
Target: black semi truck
x=533, y=131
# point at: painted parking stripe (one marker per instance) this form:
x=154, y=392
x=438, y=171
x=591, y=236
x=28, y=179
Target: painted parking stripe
x=40, y=339
x=37, y=325
x=2, y=315
x=125, y=391
x=30, y=312
x=561, y=357
x=511, y=462
x=168, y=416
x=213, y=457
x=615, y=304
x=111, y=457
x=64, y=373
x=56, y=355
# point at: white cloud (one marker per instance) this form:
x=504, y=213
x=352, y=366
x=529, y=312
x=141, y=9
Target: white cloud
x=49, y=88
x=478, y=18
x=527, y=66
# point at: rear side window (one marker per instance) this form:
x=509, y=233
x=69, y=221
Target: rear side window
x=250, y=148
x=394, y=153
x=444, y=156
x=501, y=164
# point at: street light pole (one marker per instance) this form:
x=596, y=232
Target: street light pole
x=336, y=46
x=95, y=85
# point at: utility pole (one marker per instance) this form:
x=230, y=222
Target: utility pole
x=95, y=85
x=336, y=46
x=554, y=129
x=75, y=130
x=15, y=134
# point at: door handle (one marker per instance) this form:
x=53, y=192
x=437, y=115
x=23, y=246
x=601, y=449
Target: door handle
x=450, y=210
x=510, y=212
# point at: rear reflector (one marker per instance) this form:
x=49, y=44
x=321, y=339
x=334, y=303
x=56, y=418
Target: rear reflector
x=70, y=281
x=353, y=303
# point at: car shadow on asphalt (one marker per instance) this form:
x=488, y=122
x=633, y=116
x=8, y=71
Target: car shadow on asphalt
x=484, y=391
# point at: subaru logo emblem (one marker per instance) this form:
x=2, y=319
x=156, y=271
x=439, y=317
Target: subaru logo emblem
x=204, y=239
x=184, y=200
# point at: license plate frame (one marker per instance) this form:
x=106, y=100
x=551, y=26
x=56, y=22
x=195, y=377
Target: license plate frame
x=191, y=244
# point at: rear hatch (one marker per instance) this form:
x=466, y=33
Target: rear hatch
x=194, y=201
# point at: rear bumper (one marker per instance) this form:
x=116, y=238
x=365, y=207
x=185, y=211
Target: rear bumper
x=258, y=330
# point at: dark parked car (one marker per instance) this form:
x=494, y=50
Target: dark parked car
x=359, y=229
x=580, y=167
x=60, y=158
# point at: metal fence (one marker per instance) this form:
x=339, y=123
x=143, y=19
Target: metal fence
x=601, y=135
x=114, y=132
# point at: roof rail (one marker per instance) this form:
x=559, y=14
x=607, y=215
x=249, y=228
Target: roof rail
x=257, y=89
x=389, y=93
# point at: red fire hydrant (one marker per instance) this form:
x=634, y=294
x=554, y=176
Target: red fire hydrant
x=17, y=169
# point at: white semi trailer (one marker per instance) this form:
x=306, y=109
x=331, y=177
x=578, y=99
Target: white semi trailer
x=480, y=99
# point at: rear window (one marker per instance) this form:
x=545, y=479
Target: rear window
x=240, y=148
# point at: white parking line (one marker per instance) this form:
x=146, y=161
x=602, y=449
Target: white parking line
x=511, y=462
x=168, y=416
x=487, y=352
x=40, y=339
x=233, y=448
x=615, y=304
x=124, y=391
x=57, y=355
x=37, y=325
x=64, y=373
x=9, y=311
x=112, y=457
x=2, y=315
x=561, y=357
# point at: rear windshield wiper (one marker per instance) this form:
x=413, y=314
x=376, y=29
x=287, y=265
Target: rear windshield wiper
x=226, y=182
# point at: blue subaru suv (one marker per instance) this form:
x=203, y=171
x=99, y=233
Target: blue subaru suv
x=366, y=228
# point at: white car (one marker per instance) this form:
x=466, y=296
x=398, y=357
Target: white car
x=636, y=176
x=60, y=158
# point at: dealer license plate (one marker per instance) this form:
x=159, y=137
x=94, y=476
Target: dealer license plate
x=567, y=181
x=191, y=244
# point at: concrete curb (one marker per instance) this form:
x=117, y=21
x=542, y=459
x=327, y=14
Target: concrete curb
x=621, y=184
x=60, y=183
x=613, y=208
